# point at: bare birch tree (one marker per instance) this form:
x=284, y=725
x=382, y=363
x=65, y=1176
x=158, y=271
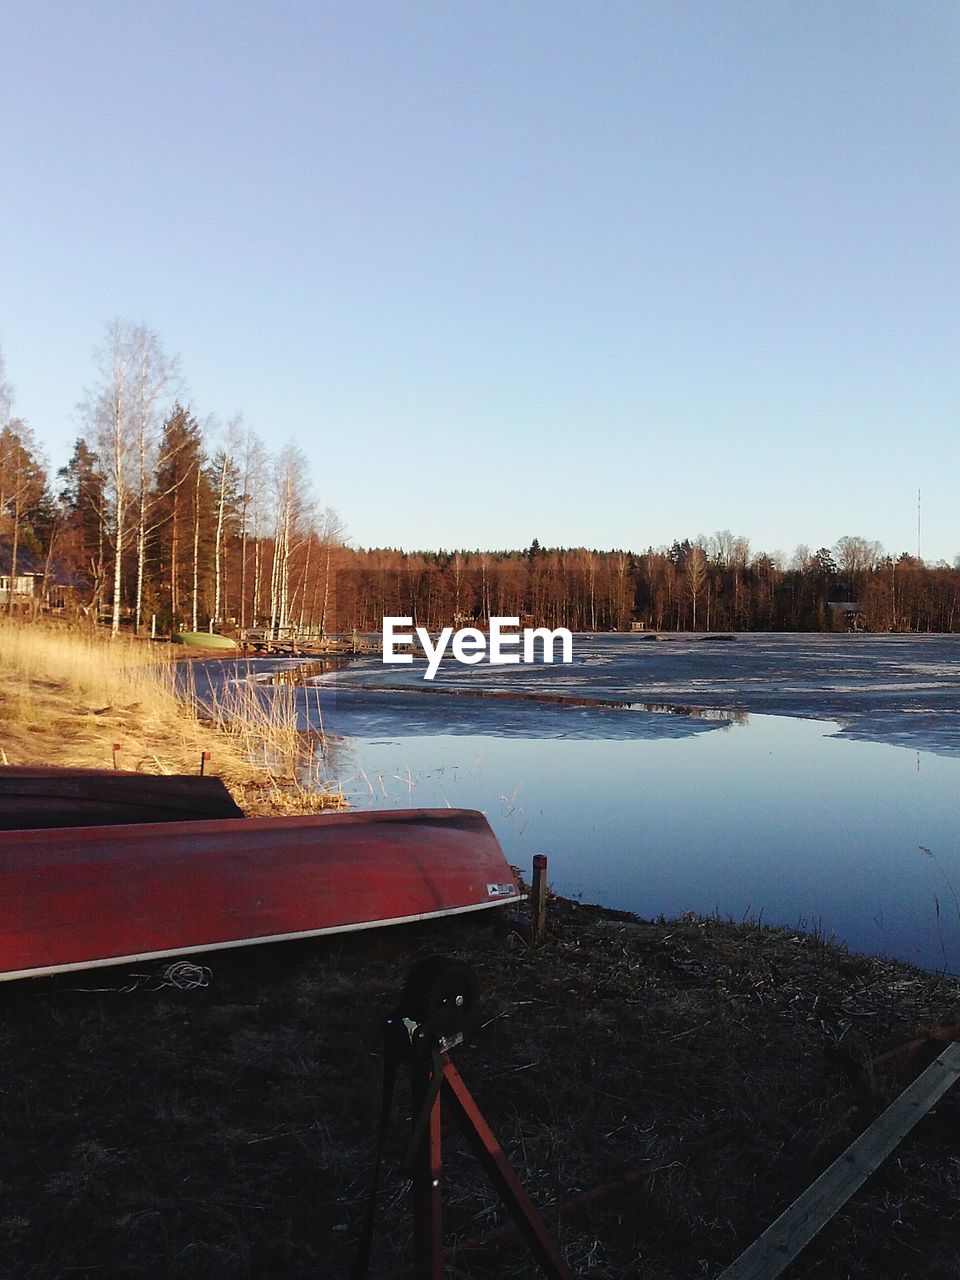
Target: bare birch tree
x=124, y=413
x=696, y=570
x=252, y=469
x=253, y=516
x=224, y=469
x=855, y=557
x=154, y=377
x=332, y=529
x=290, y=475
x=110, y=408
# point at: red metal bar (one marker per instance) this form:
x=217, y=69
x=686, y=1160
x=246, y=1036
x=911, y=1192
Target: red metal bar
x=500, y=1172
x=586, y=1200
x=904, y=1053
x=427, y=1188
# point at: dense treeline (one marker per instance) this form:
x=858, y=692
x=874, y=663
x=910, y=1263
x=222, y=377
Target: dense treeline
x=159, y=519
x=712, y=584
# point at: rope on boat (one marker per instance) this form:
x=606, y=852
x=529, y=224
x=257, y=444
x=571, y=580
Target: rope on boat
x=185, y=976
x=182, y=975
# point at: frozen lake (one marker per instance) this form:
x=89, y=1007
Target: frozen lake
x=805, y=780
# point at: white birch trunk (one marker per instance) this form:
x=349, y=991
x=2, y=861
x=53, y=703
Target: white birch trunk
x=117, y=459
x=196, y=551
x=218, y=556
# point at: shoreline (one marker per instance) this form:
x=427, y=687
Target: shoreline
x=702, y=1071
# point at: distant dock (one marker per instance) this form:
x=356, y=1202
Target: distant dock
x=293, y=642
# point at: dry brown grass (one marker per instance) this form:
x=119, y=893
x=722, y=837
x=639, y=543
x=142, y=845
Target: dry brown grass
x=67, y=697
x=227, y=1132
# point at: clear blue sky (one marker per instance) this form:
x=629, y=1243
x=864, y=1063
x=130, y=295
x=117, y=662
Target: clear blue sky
x=601, y=273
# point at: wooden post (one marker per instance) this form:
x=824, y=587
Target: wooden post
x=538, y=897
x=116, y=755
x=204, y=757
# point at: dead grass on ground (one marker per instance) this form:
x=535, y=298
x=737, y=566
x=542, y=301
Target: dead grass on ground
x=69, y=696
x=228, y=1131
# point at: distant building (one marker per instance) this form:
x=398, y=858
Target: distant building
x=846, y=615
x=26, y=585
x=26, y=588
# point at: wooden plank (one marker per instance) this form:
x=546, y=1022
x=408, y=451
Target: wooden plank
x=771, y=1253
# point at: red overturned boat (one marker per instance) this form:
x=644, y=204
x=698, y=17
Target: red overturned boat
x=79, y=897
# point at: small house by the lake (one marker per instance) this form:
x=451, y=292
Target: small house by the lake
x=846, y=615
x=35, y=585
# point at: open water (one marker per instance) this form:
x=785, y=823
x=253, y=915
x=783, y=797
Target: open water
x=812, y=782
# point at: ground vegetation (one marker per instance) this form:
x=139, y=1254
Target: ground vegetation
x=73, y=697
x=219, y=1120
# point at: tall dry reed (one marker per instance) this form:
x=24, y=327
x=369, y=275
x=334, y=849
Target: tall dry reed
x=88, y=664
x=260, y=719
x=82, y=699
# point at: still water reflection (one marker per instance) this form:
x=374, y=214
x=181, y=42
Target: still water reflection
x=642, y=806
x=768, y=817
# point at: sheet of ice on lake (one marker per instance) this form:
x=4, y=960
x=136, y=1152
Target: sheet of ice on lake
x=364, y=713
x=899, y=689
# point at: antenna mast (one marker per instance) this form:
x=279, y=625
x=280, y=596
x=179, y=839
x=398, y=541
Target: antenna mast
x=918, y=525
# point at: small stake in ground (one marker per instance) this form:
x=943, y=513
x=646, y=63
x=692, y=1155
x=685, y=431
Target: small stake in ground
x=116, y=755
x=204, y=757
x=538, y=897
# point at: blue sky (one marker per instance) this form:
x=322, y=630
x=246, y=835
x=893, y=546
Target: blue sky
x=603, y=274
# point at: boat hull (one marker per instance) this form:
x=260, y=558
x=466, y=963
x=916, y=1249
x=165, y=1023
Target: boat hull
x=33, y=797
x=204, y=640
x=91, y=896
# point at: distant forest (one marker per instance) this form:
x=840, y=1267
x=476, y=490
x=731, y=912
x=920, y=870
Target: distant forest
x=710, y=584
x=161, y=519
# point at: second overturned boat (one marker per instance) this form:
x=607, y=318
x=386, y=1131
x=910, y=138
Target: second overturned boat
x=47, y=796
x=203, y=640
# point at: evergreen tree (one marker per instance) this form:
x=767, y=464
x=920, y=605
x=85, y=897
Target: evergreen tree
x=83, y=533
x=183, y=504
x=23, y=484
